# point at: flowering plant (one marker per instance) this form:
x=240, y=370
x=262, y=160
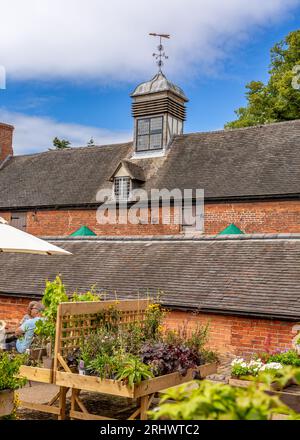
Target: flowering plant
x=240, y=367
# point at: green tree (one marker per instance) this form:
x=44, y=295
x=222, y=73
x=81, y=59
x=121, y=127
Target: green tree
x=60, y=144
x=279, y=99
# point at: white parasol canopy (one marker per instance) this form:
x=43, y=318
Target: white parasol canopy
x=14, y=240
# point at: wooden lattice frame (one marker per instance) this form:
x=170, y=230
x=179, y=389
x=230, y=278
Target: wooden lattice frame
x=75, y=320
x=79, y=319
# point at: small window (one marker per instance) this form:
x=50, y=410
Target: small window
x=149, y=134
x=122, y=188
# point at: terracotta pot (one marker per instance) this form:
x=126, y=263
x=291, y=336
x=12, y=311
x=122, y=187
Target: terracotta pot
x=6, y=402
x=37, y=353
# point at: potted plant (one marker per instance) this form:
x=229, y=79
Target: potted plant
x=9, y=381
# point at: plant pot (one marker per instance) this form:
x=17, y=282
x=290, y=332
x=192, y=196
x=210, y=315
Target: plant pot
x=6, y=402
x=37, y=353
x=48, y=362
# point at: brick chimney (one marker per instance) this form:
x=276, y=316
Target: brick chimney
x=6, y=137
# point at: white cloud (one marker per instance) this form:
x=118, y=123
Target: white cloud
x=33, y=134
x=107, y=40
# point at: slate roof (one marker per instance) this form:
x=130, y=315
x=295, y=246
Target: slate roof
x=57, y=178
x=246, y=274
x=252, y=162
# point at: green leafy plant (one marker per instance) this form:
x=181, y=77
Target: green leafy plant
x=104, y=366
x=9, y=370
x=132, y=337
x=54, y=294
x=133, y=371
x=211, y=401
x=194, y=338
x=121, y=366
x=289, y=357
x=91, y=295
x=100, y=343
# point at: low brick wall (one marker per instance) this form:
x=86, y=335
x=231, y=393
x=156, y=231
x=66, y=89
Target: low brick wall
x=228, y=334
x=238, y=335
x=13, y=309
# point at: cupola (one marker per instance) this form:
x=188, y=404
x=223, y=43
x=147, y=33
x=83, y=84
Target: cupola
x=158, y=109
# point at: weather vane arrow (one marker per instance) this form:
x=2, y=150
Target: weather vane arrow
x=161, y=54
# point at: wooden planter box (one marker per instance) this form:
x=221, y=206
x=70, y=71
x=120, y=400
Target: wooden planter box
x=118, y=388
x=245, y=383
x=6, y=402
x=44, y=375
x=36, y=374
x=144, y=391
x=75, y=320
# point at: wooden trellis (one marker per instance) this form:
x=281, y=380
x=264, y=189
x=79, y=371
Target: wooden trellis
x=78, y=320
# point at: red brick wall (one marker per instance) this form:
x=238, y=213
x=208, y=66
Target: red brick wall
x=239, y=336
x=6, y=133
x=12, y=310
x=228, y=334
x=254, y=217
x=65, y=222
x=251, y=217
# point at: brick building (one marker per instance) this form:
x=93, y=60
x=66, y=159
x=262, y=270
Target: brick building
x=250, y=176
x=248, y=288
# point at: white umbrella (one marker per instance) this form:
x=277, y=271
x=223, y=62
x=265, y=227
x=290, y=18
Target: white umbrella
x=14, y=240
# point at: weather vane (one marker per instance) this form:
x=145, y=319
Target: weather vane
x=161, y=54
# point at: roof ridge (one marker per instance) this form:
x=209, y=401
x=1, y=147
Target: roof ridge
x=63, y=150
x=184, y=238
x=229, y=130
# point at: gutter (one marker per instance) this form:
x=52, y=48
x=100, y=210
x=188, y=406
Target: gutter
x=94, y=205
x=247, y=314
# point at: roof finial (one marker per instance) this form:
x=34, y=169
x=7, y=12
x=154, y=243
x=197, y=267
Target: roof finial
x=161, y=55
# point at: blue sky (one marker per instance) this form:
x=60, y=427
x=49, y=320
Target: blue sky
x=79, y=91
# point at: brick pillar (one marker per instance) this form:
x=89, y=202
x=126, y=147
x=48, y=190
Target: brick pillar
x=6, y=137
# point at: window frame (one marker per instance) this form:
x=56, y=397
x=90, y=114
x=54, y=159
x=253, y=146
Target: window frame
x=122, y=179
x=149, y=134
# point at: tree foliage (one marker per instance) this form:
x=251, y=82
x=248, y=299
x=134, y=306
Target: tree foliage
x=279, y=99
x=60, y=144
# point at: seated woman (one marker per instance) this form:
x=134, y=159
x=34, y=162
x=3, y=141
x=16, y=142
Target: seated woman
x=25, y=333
x=28, y=315
x=29, y=308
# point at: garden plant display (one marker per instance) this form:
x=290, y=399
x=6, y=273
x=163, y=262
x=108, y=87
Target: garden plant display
x=139, y=351
x=113, y=347
x=274, y=362
x=215, y=401
x=121, y=348
x=10, y=381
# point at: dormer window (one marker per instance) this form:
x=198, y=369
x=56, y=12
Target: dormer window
x=149, y=134
x=122, y=188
